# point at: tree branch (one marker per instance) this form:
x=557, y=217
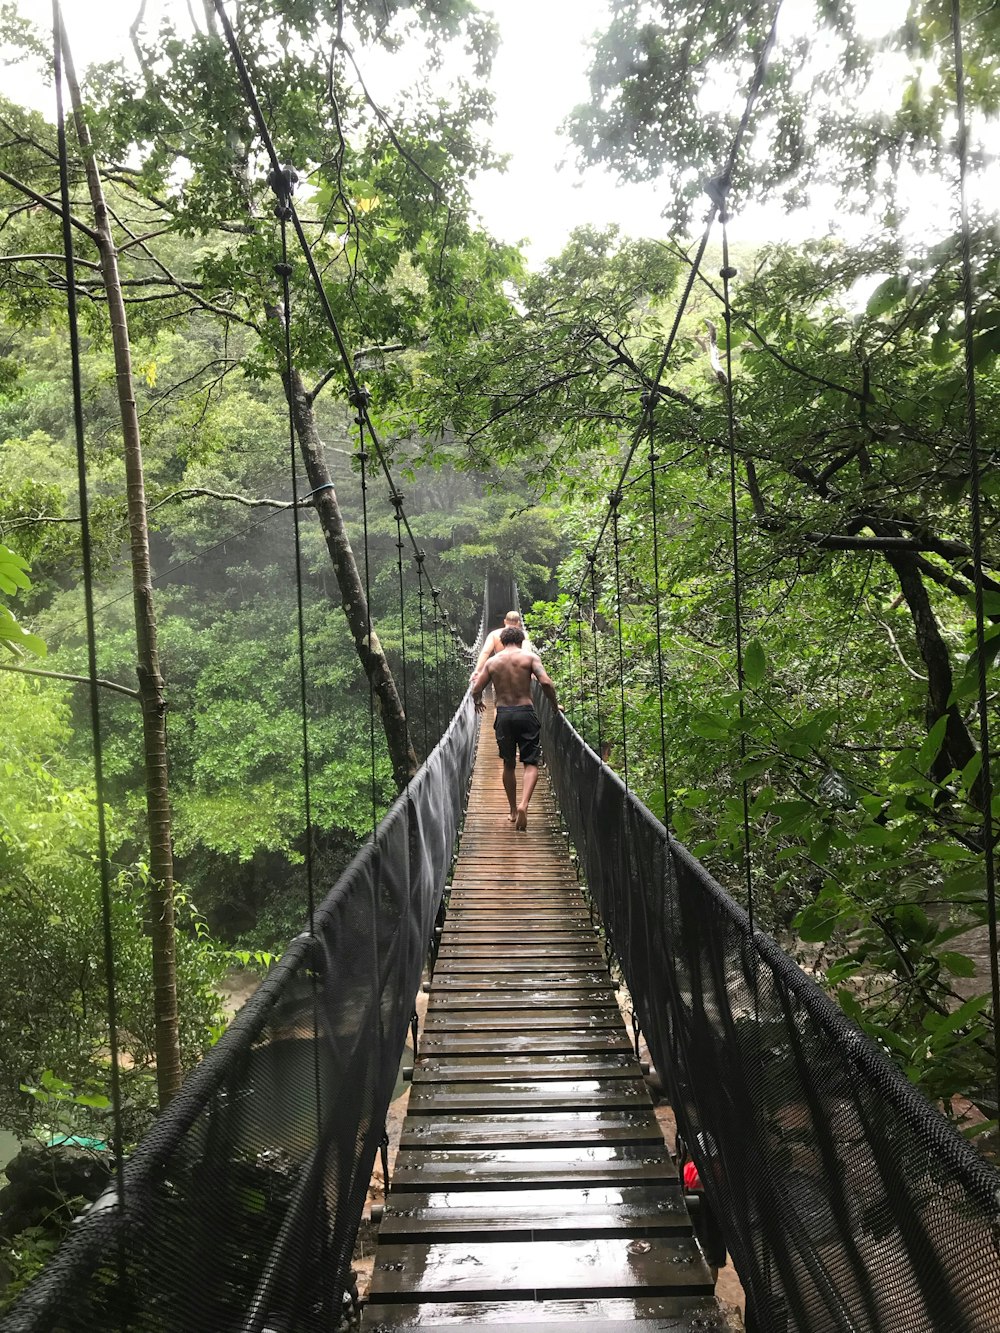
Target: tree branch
x=195, y=492
x=68, y=675
x=57, y=259
x=41, y=200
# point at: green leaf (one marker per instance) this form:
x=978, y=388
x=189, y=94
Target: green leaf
x=914, y=923
x=710, y=725
x=962, y=1015
x=886, y=295
x=95, y=1099
x=754, y=663
x=931, y=747
x=958, y=964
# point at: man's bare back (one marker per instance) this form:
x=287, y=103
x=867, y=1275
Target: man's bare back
x=511, y=672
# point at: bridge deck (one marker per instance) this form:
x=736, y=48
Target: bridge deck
x=532, y=1189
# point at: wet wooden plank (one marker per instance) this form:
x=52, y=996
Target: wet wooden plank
x=679, y=1314
x=554, y=1129
x=533, y=1167
x=450, y=966
x=569, y=1094
x=541, y=1270
x=501, y=1068
x=475, y=948
x=581, y=982
x=456, y=1043
x=452, y=1016
x=532, y=997
x=564, y=1214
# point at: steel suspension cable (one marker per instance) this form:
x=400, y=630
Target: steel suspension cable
x=717, y=189
x=354, y=385
x=653, y=459
x=579, y=662
x=975, y=496
x=419, y=557
x=437, y=663
x=592, y=560
x=615, y=501
x=282, y=184
x=727, y=274
x=359, y=403
x=397, y=503
x=87, y=553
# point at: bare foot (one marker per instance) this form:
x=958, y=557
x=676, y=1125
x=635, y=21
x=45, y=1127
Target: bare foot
x=521, y=820
x=511, y=817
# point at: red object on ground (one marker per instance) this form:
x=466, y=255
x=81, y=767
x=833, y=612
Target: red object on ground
x=692, y=1180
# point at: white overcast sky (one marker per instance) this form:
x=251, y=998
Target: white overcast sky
x=539, y=76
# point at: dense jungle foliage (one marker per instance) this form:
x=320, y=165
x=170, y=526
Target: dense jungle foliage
x=507, y=401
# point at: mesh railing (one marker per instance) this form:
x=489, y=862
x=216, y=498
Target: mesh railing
x=242, y=1204
x=848, y=1203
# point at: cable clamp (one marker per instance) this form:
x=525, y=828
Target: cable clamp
x=728, y=271
x=359, y=398
x=396, y=500
x=283, y=181
x=647, y=399
x=283, y=270
x=615, y=499
x=717, y=188
x=419, y=557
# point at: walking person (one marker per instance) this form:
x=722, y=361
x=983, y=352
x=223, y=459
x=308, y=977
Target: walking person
x=511, y=672
x=492, y=644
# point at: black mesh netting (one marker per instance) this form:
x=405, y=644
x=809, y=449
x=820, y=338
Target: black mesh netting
x=847, y=1202
x=242, y=1204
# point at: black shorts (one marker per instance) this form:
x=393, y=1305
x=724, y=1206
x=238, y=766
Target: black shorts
x=517, y=726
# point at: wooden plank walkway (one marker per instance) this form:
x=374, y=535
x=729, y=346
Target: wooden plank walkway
x=532, y=1189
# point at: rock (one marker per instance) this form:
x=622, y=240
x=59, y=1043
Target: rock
x=43, y=1180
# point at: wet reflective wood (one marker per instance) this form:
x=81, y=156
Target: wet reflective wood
x=681, y=1314
x=429, y=1098
x=532, y=1190
x=553, y=1129
x=452, y=1018
x=569, y=1040
x=499, y=1068
x=542, y=1269
x=516, y=981
x=536, y=1167
x=567, y=997
x=564, y=1214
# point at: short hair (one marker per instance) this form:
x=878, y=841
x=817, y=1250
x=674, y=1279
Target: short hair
x=511, y=635
x=512, y=618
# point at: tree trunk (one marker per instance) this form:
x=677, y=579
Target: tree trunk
x=169, y=1072
x=959, y=747
x=373, y=659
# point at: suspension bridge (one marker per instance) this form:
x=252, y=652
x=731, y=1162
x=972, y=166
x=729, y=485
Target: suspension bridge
x=533, y=1188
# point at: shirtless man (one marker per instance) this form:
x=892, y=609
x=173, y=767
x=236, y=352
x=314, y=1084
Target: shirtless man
x=512, y=620
x=511, y=672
